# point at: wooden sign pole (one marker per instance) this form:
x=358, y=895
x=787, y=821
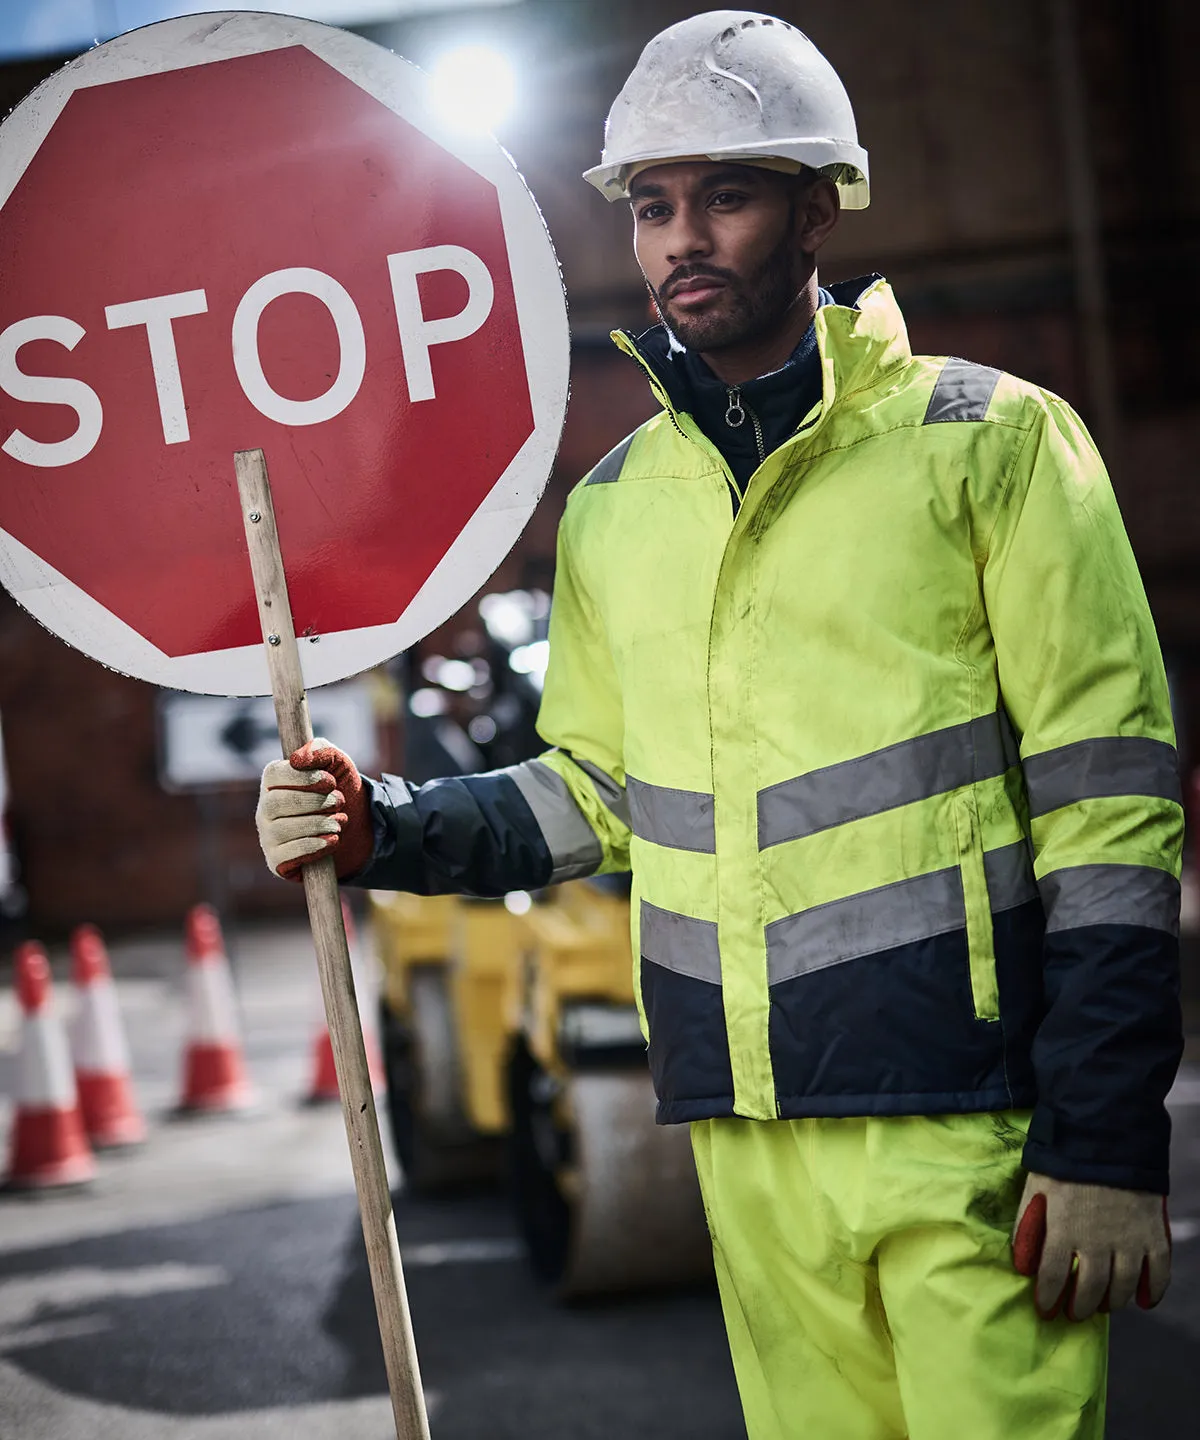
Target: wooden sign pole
x=333, y=963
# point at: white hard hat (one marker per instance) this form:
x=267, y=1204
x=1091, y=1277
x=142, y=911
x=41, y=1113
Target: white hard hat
x=733, y=85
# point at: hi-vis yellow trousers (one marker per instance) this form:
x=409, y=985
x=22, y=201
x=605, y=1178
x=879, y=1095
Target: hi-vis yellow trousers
x=866, y=1278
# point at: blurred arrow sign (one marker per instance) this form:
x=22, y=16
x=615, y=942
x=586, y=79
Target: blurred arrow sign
x=207, y=740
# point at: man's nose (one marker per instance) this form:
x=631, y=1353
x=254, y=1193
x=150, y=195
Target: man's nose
x=688, y=239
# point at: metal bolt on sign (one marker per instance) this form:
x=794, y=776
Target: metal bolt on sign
x=190, y=341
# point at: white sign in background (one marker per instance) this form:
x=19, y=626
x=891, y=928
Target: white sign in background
x=207, y=740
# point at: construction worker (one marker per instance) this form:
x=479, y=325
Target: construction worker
x=852, y=666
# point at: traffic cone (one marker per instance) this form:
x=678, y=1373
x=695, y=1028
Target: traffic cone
x=214, y=1072
x=102, y=1072
x=48, y=1145
x=324, y=1087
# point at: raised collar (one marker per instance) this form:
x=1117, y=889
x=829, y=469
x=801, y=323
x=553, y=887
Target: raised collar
x=860, y=335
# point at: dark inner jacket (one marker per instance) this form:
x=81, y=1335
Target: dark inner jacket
x=745, y=422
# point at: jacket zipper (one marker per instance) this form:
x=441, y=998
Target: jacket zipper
x=735, y=417
x=736, y=404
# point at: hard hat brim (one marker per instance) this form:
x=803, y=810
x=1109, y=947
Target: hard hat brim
x=844, y=156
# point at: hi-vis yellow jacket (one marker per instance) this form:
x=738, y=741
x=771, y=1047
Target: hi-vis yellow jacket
x=889, y=753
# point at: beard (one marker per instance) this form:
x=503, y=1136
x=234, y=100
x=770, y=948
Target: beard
x=752, y=306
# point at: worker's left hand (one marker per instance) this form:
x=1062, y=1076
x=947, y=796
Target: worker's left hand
x=1120, y=1238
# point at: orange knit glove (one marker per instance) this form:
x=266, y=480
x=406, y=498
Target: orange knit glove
x=310, y=805
x=1092, y=1247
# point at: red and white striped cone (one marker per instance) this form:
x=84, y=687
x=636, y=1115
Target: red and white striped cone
x=102, y=1070
x=48, y=1145
x=324, y=1087
x=214, y=1071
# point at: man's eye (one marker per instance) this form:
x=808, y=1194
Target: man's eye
x=655, y=211
x=726, y=199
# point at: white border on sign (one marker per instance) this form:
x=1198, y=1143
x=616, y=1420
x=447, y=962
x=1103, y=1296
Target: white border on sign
x=67, y=610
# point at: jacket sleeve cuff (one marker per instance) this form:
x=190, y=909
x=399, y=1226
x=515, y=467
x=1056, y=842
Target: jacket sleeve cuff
x=1052, y=1149
x=1082, y=1172
x=395, y=862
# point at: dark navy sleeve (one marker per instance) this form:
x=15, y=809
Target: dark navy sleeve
x=465, y=835
x=1106, y=1054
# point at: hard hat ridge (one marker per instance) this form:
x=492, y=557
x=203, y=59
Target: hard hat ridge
x=733, y=85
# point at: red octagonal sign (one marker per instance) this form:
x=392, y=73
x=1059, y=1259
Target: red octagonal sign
x=238, y=231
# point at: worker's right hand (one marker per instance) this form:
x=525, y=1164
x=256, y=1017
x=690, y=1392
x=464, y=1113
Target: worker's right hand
x=313, y=804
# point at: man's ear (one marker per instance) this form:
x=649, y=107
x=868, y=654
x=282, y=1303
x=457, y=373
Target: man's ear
x=817, y=210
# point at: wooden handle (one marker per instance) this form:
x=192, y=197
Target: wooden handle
x=333, y=963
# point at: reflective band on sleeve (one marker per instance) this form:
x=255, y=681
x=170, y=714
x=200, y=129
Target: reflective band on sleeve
x=1088, y=769
x=898, y=775
x=612, y=794
x=1111, y=895
x=1009, y=875
x=963, y=392
x=574, y=847
x=865, y=924
x=609, y=469
x=680, y=943
x=680, y=819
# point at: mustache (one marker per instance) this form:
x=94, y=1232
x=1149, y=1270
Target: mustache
x=682, y=273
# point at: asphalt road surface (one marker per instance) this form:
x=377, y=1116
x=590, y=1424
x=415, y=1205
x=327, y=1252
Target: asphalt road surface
x=213, y=1285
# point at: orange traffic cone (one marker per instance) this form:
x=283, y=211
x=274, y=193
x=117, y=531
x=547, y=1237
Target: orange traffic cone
x=214, y=1072
x=48, y=1145
x=110, y=1113
x=324, y=1088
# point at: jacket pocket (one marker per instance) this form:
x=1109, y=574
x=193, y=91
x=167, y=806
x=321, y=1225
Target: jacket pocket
x=981, y=947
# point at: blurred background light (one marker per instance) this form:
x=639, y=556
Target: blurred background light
x=531, y=660
x=452, y=674
x=427, y=702
x=474, y=87
x=510, y=617
x=482, y=729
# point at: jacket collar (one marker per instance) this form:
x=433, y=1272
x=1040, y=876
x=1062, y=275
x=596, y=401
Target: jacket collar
x=861, y=335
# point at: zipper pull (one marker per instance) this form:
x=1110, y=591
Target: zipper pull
x=736, y=414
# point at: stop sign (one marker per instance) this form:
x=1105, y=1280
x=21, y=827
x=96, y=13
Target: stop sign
x=237, y=231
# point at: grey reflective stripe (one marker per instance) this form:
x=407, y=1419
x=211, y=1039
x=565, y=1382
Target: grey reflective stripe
x=680, y=819
x=609, y=469
x=573, y=845
x=1111, y=895
x=609, y=791
x=963, y=392
x=680, y=943
x=1009, y=875
x=898, y=775
x=1088, y=769
x=865, y=924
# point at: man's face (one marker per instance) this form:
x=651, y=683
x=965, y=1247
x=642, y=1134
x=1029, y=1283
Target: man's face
x=717, y=244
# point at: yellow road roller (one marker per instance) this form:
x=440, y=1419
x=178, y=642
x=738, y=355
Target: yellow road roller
x=512, y=1046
